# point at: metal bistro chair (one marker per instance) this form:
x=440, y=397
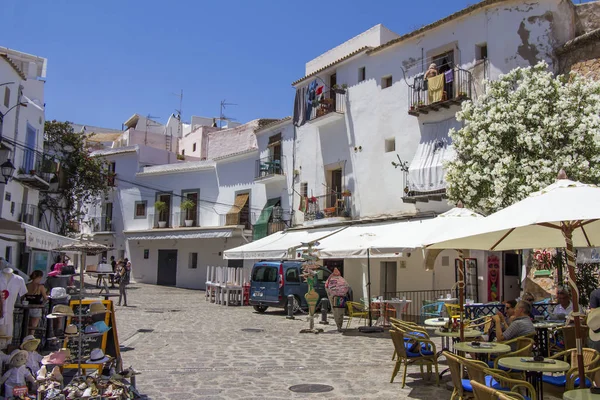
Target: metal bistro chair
x=432, y=310
x=356, y=310
x=425, y=356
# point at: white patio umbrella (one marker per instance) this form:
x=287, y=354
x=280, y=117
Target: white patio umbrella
x=564, y=214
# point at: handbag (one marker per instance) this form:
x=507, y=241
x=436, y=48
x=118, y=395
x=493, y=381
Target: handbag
x=67, y=270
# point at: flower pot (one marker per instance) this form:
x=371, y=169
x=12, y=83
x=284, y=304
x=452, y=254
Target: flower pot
x=162, y=224
x=189, y=222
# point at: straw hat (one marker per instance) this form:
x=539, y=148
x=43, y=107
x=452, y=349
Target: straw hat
x=593, y=322
x=61, y=310
x=97, y=356
x=58, y=293
x=71, y=330
x=30, y=343
x=97, y=308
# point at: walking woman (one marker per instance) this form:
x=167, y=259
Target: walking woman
x=36, y=295
x=123, y=276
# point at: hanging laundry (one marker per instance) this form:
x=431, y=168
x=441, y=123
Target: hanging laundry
x=449, y=75
x=419, y=82
x=436, y=89
x=310, y=97
x=299, y=117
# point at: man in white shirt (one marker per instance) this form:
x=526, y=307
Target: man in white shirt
x=564, y=306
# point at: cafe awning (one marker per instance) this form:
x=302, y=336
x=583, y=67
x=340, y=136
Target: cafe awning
x=280, y=245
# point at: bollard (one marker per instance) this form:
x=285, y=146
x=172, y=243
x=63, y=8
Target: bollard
x=324, y=311
x=290, y=307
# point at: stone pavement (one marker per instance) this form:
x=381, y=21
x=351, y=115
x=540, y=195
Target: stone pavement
x=187, y=348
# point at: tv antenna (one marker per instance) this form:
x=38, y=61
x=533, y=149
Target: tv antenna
x=222, y=116
x=179, y=115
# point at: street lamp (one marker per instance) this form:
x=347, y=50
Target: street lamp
x=7, y=168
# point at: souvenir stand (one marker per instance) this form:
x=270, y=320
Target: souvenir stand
x=90, y=358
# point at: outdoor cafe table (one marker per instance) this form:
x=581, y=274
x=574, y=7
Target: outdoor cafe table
x=541, y=336
x=383, y=309
x=469, y=334
x=483, y=349
x=434, y=323
x=534, y=370
x=580, y=394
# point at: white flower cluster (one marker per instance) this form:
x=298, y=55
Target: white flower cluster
x=520, y=133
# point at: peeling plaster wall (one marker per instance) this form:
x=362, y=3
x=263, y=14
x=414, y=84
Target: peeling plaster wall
x=588, y=17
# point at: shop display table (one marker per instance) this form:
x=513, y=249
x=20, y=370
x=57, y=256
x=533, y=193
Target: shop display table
x=534, y=370
x=580, y=394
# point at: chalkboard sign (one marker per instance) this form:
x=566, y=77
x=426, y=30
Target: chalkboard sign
x=108, y=342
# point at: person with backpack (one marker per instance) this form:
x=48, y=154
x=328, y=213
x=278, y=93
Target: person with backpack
x=123, y=276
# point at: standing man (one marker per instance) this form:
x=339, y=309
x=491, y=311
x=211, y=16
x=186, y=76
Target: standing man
x=113, y=263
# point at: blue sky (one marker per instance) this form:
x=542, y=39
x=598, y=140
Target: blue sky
x=109, y=59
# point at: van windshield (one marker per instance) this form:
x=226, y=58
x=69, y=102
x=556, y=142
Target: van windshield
x=264, y=274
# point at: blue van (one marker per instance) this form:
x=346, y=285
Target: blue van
x=272, y=281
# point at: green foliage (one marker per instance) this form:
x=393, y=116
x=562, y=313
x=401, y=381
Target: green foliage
x=160, y=207
x=187, y=205
x=81, y=180
x=586, y=278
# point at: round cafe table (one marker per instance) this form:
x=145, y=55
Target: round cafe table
x=434, y=323
x=483, y=348
x=580, y=394
x=534, y=370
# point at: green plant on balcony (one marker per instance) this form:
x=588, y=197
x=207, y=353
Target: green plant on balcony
x=160, y=207
x=188, y=206
x=340, y=89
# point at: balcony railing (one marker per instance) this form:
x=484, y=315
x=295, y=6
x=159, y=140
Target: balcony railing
x=247, y=222
x=160, y=220
x=333, y=101
x=275, y=227
x=269, y=167
x=328, y=206
x=456, y=90
x=192, y=217
x=101, y=223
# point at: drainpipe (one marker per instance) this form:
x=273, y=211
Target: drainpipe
x=292, y=211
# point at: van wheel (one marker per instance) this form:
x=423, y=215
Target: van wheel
x=260, y=309
x=296, y=305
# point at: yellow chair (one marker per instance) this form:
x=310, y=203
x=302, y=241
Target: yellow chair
x=503, y=380
x=356, y=310
x=427, y=355
x=570, y=379
x=453, y=310
x=483, y=392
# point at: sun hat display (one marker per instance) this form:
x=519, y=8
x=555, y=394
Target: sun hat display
x=97, y=308
x=58, y=293
x=91, y=330
x=97, y=356
x=61, y=310
x=101, y=326
x=15, y=353
x=30, y=343
x=57, y=358
x=593, y=322
x=71, y=330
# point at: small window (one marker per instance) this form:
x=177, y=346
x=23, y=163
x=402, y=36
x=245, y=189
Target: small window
x=362, y=74
x=140, y=209
x=304, y=189
x=112, y=167
x=194, y=147
x=183, y=152
x=7, y=253
x=291, y=275
x=386, y=82
x=6, y=97
x=481, y=51
x=390, y=145
x=193, y=261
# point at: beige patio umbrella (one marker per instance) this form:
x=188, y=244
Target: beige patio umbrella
x=564, y=214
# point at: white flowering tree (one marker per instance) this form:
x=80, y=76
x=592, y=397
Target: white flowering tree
x=520, y=133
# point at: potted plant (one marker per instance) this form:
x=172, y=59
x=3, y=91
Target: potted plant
x=160, y=207
x=340, y=89
x=188, y=205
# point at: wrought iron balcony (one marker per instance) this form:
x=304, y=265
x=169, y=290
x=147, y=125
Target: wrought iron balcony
x=270, y=168
x=422, y=101
x=330, y=103
x=336, y=204
x=101, y=223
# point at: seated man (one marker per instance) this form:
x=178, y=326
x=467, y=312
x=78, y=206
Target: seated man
x=520, y=326
x=564, y=306
x=509, y=310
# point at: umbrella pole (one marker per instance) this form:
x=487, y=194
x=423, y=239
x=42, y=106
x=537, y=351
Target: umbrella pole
x=567, y=231
x=369, y=285
x=461, y=294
